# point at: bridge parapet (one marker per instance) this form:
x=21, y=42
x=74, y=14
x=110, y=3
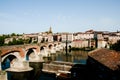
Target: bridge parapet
x=6, y=51
x=23, y=49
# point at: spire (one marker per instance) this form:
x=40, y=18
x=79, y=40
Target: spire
x=50, y=30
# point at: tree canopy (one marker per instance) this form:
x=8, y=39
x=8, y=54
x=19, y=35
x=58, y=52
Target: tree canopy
x=116, y=46
x=2, y=39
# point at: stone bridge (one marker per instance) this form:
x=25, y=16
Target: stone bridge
x=29, y=52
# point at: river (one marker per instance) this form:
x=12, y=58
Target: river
x=77, y=57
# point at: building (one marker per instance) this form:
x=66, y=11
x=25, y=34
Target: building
x=33, y=37
x=7, y=40
x=40, y=37
x=113, y=38
x=57, y=37
x=67, y=36
x=50, y=38
x=80, y=43
x=104, y=64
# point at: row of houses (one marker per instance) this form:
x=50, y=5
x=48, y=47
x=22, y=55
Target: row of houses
x=91, y=38
x=79, y=39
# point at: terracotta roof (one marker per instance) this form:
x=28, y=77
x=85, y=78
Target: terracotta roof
x=109, y=58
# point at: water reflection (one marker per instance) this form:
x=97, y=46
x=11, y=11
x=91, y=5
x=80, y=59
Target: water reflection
x=73, y=56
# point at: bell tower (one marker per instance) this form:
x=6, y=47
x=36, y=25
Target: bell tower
x=50, y=30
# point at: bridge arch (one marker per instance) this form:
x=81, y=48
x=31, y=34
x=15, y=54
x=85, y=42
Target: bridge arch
x=34, y=47
x=55, y=45
x=10, y=57
x=42, y=47
x=7, y=60
x=15, y=53
x=50, y=46
x=30, y=53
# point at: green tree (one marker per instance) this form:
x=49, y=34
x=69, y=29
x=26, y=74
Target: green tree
x=10, y=43
x=30, y=40
x=2, y=39
x=14, y=41
x=35, y=42
x=20, y=41
x=26, y=41
x=13, y=34
x=116, y=46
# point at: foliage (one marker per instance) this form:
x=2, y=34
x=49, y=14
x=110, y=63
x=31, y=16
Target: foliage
x=13, y=34
x=27, y=41
x=84, y=48
x=2, y=39
x=18, y=42
x=6, y=36
x=116, y=46
x=15, y=39
x=30, y=40
x=35, y=42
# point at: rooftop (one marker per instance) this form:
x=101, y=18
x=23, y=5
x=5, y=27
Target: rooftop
x=109, y=58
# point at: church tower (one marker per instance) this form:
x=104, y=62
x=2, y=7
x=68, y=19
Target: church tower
x=50, y=30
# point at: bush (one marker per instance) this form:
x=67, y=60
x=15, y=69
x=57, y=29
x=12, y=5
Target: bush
x=116, y=46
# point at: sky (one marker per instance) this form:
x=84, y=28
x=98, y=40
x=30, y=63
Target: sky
x=32, y=16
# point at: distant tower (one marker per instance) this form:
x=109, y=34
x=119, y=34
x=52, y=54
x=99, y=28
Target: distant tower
x=50, y=30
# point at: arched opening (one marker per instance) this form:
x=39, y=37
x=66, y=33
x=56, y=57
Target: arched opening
x=30, y=52
x=55, y=45
x=7, y=61
x=43, y=50
x=42, y=47
x=50, y=46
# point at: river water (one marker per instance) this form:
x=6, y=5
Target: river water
x=78, y=57
x=73, y=56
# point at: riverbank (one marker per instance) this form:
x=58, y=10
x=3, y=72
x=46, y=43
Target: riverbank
x=83, y=49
